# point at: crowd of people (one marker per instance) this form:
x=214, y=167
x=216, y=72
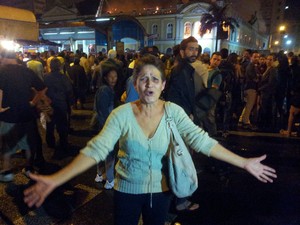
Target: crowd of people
x=257, y=98
x=212, y=94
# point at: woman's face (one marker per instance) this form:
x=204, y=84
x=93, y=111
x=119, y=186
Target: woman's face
x=149, y=84
x=112, y=78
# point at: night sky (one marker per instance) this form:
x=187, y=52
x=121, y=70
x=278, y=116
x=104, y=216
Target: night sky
x=292, y=13
x=90, y=6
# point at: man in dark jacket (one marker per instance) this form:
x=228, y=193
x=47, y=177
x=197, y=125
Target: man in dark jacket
x=79, y=81
x=60, y=92
x=181, y=88
x=266, y=91
x=250, y=90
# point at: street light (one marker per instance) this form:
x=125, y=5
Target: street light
x=282, y=29
x=288, y=42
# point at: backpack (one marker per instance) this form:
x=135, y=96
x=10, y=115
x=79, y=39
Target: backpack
x=227, y=84
x=207, y=97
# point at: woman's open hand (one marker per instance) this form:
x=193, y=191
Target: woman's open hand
x=260, y=171
x=37, y=193
x=4, y=109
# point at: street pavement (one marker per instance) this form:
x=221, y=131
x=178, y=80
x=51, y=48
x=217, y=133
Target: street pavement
x=226, y=195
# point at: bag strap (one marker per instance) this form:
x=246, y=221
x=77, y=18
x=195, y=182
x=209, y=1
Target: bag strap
x=172, y=126
x=169, y=118
x=167, y=110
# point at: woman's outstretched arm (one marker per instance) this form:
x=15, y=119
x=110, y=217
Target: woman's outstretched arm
x=37, y=193
x=252, y=165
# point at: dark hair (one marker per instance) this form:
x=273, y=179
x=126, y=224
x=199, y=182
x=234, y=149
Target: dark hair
x=224, y=53
x=205, y=58
x=254, y=52
x=106, y=67
x=55, y=65
x=249, y=51
x=199, y=50
x=153, y=50
x=273, y=56
x=52, y=53
x=76, y=61
x=33, y=55
x=295, y=60
x=148, y=60
x=176, y=50
x=185, y=42
x=216, y=53
x=290, y=54
x=96, y=61
x=232, y=58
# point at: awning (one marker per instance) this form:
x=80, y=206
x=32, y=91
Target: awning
x=18, y=24
x=37, y=43
x=47, y=42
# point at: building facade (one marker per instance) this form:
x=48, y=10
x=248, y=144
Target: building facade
x=163, y=27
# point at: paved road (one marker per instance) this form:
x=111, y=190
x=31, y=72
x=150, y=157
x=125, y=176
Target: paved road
x=230, y=197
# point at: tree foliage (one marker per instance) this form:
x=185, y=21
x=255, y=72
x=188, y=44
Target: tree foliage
x=216, y=18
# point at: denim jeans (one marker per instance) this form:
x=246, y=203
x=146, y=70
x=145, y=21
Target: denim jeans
x=129, y=207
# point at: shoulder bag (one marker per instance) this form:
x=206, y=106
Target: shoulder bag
x=183, y=179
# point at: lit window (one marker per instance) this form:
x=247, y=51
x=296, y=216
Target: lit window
x=187, y=29
x=196, y=29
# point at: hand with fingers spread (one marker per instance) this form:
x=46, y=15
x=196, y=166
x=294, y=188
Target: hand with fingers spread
x=260, y=171
x=253, y=165
x=36, y=194
x=4, y=109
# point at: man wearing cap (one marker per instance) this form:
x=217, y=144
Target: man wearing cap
x=18, y=129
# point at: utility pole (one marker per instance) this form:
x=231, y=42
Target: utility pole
x=99, y=10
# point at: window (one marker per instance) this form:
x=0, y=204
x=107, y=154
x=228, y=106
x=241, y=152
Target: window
x=154, y=29
x=187, y=29
x=196, y=29
x=169, y=31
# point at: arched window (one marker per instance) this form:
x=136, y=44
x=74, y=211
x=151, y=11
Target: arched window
x=169, y=31
x=187, y=29
x=196, y=29
x=154, y=29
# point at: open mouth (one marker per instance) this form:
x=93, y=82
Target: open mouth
x=149, y=93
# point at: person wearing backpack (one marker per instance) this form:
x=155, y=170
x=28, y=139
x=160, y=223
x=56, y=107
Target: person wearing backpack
x=227, y=86
x=213, y=82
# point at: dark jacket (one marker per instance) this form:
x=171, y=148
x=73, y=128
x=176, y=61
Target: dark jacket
x=60, y=90
x=104, y=103
x=267, y=86
x=78, y=77
x=251, y=77
x=181, y=88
